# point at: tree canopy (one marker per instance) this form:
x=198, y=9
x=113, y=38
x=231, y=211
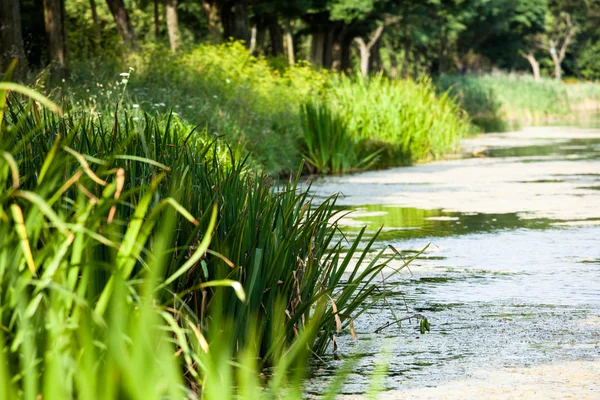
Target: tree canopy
x=395, y=37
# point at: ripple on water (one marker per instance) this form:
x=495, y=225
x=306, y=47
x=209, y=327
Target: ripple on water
x=512, y=277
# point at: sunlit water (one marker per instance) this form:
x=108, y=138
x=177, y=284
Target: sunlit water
x=512, y=275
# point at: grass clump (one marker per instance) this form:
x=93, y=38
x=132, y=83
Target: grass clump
x=405, y=121
x=139, y=260
x=327, y=144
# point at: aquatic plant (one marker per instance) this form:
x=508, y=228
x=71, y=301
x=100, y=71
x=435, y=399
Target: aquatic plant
x=138, y=260
x=405, y=120
x=327, y=144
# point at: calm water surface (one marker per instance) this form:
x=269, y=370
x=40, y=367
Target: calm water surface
x=512, y=275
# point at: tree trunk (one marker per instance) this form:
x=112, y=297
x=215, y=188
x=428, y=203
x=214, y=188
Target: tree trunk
x=556, y=60
x=535, y=65
x=364, y=54
x=336, y=54
x=337, y=48
x=289, y=41
x=346, y=54
x=365, y=48
x=234, y=17
x=260, y=38
x=393, y=65
x=211, y=11
x=404, y=72
x=55, y=31
x=415, y=65
x=96, y=22
x=276, y=36
x=317, y=48
x=443, y=59
x=558, y=55
x=11, y=37
x=328, y=49
x=156, y=19
x=172, y=24
x=376, y=64
x=121, y=17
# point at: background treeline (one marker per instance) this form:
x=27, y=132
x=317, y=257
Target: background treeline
x=398, y=37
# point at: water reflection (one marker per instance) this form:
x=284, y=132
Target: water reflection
x=512, y=276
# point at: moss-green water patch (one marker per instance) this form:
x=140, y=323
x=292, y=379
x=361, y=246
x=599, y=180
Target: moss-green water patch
x=410, y=223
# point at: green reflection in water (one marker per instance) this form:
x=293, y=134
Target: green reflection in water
x=408, y=223
x=584, y=148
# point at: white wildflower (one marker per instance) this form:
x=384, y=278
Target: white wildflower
x=125, y=74
x=136, y=106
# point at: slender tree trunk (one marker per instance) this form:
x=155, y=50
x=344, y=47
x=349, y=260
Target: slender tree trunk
x=234, y=17
x=156, y=19
x=172, y=24
x=415, y=64
x=96, y=22
x=393, y=65
x=364, y=54
x=558, y=54
x=260, y=37
x=556, y=60
x=443, y=66
x=11, y=37
x=328, y=49
x=376, y=64
x=337, y=49
x=405, y=57
x=211, y=11
x=317, y=48
x=346, y=54
x=364, y=48
x=121, y=17
x=336, y=54
x=535, y=65
x=276, y=36
x=289, y=41
x=55, y=31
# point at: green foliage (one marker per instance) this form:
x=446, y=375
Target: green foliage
x=221, y=88
x=490, y=99
x=327, y=144
x=136, y=255
x=255, y=104
x=589, y=62
x=405, y=120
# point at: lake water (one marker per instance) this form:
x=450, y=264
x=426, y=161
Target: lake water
x=512, y=275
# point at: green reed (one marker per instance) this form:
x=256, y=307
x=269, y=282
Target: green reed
x=492, y=99
x=404, y=120
x=141, y=259
x=327, y=144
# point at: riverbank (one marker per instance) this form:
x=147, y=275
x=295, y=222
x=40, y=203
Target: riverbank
x=495, y=99
x=254, y=105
